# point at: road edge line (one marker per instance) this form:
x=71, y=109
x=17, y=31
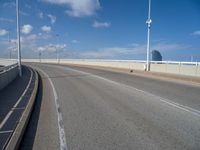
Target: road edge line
x=62, y=137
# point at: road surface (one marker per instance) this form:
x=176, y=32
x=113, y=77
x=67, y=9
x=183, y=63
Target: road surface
x=89, y=109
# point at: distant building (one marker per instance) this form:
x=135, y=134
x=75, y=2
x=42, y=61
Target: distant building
x=156, y=56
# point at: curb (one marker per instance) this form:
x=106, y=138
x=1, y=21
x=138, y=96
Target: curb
x=17, y=135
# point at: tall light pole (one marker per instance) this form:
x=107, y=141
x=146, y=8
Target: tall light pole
x=148, y=37
x=18, y=38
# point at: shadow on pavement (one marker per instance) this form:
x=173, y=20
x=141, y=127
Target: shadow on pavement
x=30, y=132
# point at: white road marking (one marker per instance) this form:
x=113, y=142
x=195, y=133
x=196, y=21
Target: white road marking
x=62, y=138
x=18, y=108
x=6, y=119
x=16, y=104
x=3, y=132
x=166, y=101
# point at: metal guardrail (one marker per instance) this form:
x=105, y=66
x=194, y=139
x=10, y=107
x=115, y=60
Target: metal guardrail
x=176, y=62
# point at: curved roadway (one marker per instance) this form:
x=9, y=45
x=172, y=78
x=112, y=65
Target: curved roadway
x=89, y=109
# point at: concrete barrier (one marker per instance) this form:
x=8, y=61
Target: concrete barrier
x=7, y=62
x=7, y=75
x=180, y=68
x=172, y=67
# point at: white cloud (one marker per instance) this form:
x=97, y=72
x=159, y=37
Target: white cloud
x=107, y=52
x=196, y=33
x=29, y=44
x=29, y=40
x=41, y=15
x=134, y=44
x=23, y=13
x=46, y=29
x=32, y=37
x=51, y=48
x=53, y=18
x=28, y=6
x=26, y=29
x=75, y=41
x=112, y=52
x=3, y=32
x=9, y=4
x=78, y=8
x=12, y=48
x=97, y=24
x=44, y=36
x=6, y=20
x=163, y=47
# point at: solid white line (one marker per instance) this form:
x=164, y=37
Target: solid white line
x=3, y=132
x=19, y=108
x=16, y=104
x=63, y=144
x=166, y=101
x=5, y=119
x=25, y=90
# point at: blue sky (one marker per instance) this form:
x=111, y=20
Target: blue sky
x=102, y=29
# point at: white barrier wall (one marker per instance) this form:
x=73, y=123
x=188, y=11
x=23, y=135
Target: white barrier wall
x=125, y=64
x=181, y=68
x=8, y=76
x=8, y=71
x=7, y=62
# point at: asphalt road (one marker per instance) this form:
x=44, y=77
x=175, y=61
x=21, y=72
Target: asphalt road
x=89, y=109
